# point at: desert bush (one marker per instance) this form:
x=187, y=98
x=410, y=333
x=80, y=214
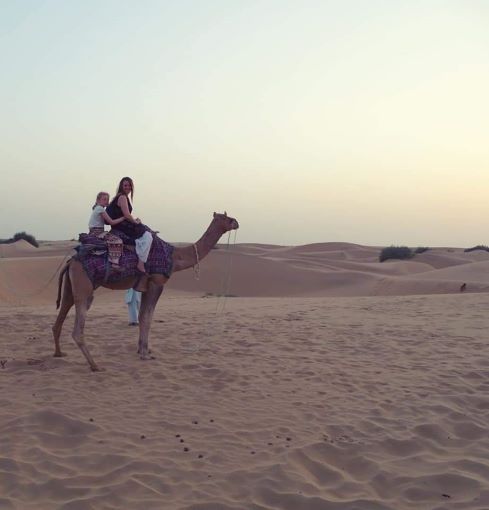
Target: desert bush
x=396, y=252
x=478, y=247
x=27, y=237
x=21, y=235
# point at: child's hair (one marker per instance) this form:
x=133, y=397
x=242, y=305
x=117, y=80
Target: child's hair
x=99, y=196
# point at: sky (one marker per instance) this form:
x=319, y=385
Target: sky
x=364, y=121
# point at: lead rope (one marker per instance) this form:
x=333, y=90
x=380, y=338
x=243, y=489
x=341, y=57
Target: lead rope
x=196, y=266
x=226, y=280
x=221, y=298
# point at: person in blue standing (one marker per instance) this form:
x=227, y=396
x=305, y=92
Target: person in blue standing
x=133, y=302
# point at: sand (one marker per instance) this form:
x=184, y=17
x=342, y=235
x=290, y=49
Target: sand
x=297, y=395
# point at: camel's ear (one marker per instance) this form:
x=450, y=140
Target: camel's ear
x=225, y=213
x=214, y=214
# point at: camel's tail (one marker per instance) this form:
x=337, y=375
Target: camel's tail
x=60, y=283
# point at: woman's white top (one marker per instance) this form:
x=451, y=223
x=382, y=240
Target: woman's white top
x=96, y=219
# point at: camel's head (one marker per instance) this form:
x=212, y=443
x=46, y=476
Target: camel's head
x=226, y=222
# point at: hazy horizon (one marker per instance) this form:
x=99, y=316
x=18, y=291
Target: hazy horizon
x=307, y=121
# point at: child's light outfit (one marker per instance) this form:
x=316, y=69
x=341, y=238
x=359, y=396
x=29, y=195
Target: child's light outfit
x=96, y=227
x=96, y=223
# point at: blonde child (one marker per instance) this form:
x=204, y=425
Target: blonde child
x=99, y=217
x=96, y=225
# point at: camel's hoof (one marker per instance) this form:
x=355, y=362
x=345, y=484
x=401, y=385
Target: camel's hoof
x=146, y=357
x=59, y=354
x=97, y=369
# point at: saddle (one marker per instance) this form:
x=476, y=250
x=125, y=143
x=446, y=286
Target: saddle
x=109, y=242
x=97, y=255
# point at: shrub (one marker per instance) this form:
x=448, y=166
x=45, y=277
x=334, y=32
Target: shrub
x=21, y=235
x=396, y=252
x=27, y=237
x=478, y=247
x=421, y=249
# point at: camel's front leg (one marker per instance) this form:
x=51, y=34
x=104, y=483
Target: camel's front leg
x=148, y=304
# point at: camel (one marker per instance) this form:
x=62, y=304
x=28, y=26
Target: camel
x=78, y=289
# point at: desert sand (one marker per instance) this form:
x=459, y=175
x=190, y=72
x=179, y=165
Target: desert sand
x=325, y=380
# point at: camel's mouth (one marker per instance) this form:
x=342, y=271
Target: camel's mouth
x=234, y=225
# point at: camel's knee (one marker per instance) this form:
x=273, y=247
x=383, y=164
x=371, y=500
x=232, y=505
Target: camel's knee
x=79, y=340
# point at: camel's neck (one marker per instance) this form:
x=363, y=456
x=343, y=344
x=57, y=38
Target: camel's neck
x=185, y=257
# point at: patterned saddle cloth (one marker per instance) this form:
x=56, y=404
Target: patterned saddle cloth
x=92, y=252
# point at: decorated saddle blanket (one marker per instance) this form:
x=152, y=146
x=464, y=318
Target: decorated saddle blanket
x=92, y=252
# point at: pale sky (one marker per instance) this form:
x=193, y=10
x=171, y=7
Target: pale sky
x=309, y=121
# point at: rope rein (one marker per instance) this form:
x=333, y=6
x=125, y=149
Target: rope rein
x=220, y=302
x=226, y=279
x=206, y=335
x=196, y=266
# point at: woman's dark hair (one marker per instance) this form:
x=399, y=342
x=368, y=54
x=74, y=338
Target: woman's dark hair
x=120, y=190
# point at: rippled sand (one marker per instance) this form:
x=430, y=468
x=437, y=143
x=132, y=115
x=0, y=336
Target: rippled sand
x=287, y=403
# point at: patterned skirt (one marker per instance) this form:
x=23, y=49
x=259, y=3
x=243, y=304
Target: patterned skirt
x=96, y=231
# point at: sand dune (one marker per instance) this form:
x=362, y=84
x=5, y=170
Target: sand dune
x=336, y=269
x=321, y=269
x=22, y=248
x=330, y=383
x=19, y=248
x=477, y=272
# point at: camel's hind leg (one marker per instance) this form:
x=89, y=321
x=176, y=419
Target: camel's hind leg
x=66, y=304
x=81, y=307
x=83, y=296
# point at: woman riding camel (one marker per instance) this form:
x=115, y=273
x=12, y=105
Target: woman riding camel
x=132, y=227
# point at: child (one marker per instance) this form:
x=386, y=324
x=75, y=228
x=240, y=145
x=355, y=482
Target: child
x=99, y=217
x=96, y=225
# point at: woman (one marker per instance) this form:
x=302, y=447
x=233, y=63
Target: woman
x=121, y=206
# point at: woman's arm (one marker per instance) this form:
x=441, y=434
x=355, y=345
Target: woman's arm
x=122, y=203
x=110, y=221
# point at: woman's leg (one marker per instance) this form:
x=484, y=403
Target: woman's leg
x=143, y=246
